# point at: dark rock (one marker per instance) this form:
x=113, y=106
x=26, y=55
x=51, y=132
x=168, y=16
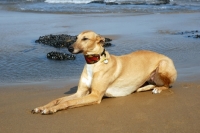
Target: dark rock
x=107, y=39
x=192, y=33
x=125, y=3
x=97, y=2
x=196, y=36
x=156, y=2
x=111, y=3
x=140, y=3
x=107, y=44
x=60, y=41
x=60, y=56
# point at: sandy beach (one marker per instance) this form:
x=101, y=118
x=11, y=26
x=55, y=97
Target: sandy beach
x=175, y=110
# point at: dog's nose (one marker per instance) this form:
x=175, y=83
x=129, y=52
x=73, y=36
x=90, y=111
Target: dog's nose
x=71, y=49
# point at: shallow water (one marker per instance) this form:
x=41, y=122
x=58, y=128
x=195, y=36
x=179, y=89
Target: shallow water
x=22, y=60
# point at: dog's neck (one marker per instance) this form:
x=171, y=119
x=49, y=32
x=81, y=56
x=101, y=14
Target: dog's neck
x=94, y=58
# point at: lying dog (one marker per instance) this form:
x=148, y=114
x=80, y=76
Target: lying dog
x=113, y=76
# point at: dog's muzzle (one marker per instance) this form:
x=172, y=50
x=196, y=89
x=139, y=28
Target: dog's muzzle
x=71, y=49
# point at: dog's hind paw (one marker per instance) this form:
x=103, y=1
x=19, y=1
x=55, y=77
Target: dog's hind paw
x=156, y=91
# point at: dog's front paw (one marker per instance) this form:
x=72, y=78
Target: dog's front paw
x=36, y=110
x=43, y=111
x=156, y=91
x=48, y=111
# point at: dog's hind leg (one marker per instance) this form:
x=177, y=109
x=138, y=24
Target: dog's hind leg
x=164, y=76
x=146, y=88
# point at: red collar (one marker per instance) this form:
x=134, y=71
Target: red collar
x=92, y=58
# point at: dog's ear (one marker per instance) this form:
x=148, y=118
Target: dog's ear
x=100, y=40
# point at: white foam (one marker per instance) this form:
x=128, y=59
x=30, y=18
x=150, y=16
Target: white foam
x=81, y=1
x=88, y=1
x=69, y=1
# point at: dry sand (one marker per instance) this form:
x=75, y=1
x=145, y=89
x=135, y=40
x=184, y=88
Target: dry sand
x=173, y=111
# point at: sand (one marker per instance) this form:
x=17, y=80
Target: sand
x=174, y=110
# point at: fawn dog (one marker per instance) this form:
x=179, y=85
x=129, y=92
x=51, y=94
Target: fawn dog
x=113, y=76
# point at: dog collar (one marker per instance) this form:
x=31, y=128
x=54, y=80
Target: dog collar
x=94, y=58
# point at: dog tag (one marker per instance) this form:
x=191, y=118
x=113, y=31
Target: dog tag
x=105, y=61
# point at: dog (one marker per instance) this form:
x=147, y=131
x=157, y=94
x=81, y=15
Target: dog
x=113, y=76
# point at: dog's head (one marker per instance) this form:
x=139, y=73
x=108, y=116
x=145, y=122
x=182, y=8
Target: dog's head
x=88, y=42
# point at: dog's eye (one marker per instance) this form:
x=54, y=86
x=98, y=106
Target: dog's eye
x=85, y=39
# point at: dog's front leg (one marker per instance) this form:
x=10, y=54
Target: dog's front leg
x=90, y=99
x=82, y=91
x=54, y=103
x=97, y=90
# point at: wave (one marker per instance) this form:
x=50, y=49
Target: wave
x=123, y=2
x=106, y=1
x=69, y=1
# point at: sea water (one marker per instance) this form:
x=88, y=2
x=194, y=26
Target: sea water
x=22, y=60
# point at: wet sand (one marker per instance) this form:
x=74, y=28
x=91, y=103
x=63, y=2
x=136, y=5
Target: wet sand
x=174, y=110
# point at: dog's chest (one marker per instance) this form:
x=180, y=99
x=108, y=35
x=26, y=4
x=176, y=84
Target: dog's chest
x=88, y=80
